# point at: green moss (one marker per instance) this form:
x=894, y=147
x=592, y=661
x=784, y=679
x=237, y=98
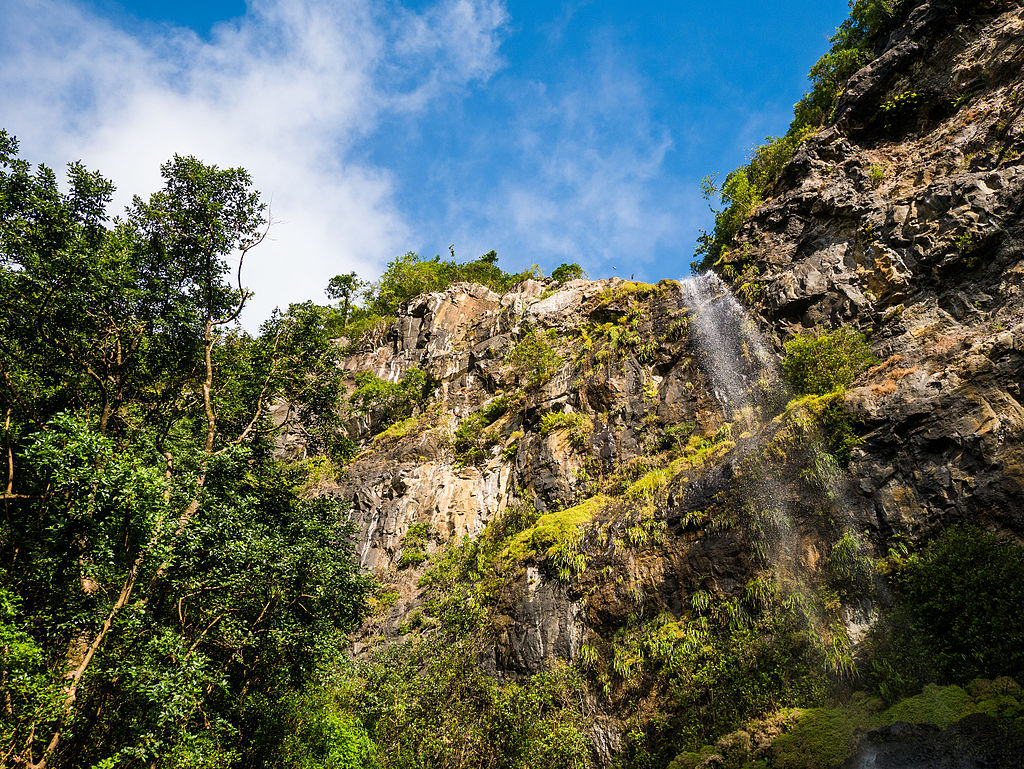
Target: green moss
x=821, y=737
x=818, y=417
x=553, y=529
x=939, y=705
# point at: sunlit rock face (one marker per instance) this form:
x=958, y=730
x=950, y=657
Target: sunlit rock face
x=912, y=230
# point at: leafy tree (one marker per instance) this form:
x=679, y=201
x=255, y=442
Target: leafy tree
x=345, y=288
x=158, y=568
x=563, y=273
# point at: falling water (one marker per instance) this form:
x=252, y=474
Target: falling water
x=744, y=378
x=730, y=350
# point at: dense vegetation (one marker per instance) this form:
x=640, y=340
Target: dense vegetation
x=166, y=594
x=853, y=45
x=362, y=305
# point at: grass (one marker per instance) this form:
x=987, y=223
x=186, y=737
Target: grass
x=398, y=430
x=630, y=289
x=579, y=425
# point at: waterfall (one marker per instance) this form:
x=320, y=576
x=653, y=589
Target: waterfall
x=741, y=371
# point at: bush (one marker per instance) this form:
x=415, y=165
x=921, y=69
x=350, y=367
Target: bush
x=386, y=403
x=414, y=545
x=957, y=616
x=410, y=275
x=819, y=362
x=535, y=358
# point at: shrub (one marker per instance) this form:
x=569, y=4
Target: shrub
x=563, y=273
x=957, y=615
x=388, y=402
x=414, y=545
x=898, y=111
x=850, y=568
x=819, y=362
x=535, y=358
x=876, y=173
x=411, y=275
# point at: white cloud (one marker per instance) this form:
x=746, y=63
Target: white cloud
x=286, y=92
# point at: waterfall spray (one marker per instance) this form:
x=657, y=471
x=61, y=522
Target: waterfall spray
x=730, y=349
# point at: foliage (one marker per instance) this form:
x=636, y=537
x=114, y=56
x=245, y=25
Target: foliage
x=964, y=242
x=958, y=602
x=384, y=403
x=897, y=112
x=414, y=545
x=428, y=702
x=851, y=569
x=722, y=664
x=535, y=358
x=473, y=441
x=629, y=290
x=344, y=288
x=410, y=275
x=578, y=426
x=158, y=568
x=820, y=362
x=805, y=738
x=563, y=273
x=552, y=530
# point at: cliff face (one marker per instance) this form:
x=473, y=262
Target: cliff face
x=642, y=437
x=904, y=218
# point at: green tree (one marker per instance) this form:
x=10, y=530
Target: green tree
x=563, y=273
x=158, y=567
x=344, y=288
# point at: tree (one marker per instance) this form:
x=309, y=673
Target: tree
x=563, y=273
x=345, y=288
x=153, y=556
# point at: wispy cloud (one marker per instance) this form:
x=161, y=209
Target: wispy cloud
x=288, y=92
x=591, y=182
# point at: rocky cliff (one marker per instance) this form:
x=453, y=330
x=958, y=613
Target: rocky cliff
x=632, y=453
x=904, y=218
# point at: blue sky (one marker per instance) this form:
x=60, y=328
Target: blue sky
x=549, y=131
